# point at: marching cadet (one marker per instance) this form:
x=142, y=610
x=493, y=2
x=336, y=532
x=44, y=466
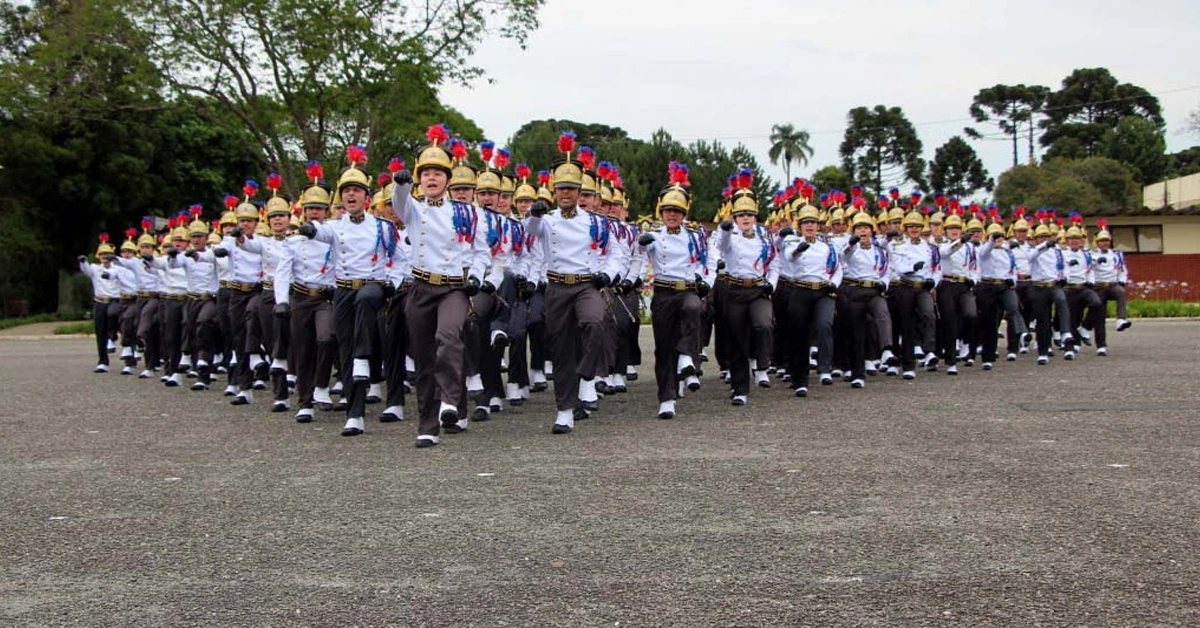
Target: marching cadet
x=1087, y=310
x=623, y=235
x=1046, y=268
x=245, y=297
x=269, y=249
x=523, y=289
x=106, y=298
x=955, y=301
x=173, y=299
x=144, y=325
x=747, y=282
x=127, y=284
x=535, y=250
x=1111, y=276
x=913, y=272
x=968, y=341
x=201, y=316
x=463, y=175
x=1022, y=251
x=395, y=337
x=996, y=293
x=226, y=225
x=364, y=246
x=810, y=269
x=483, y=345
x=577, y=267
x=680, y=257
x=304, y=286
x=448, y=263
x=861, y=306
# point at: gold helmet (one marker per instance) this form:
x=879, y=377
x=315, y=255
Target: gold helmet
x=462, y=174
x=743, y=203
x=147, y=238
x=434, y=156
x=246, y=209
x=837, y=216
x=104, y=248
x=895, y=214
x=277, y=205
x=179, y=228
x=525, y=191
x=215, y=236
x=197, y=227
x=676, y=195
x=354, y=175
x=994, y=228
x=318, y=193
x=975, y=224
x=937, y=218
x=953, y=221
x=913, y=219
x=566, y=172
x=488, y=181
x=862, y=219
x=1103, y=234
x=1020, y=224
x=228, y=217
x=129, y=244
x=1042, y=230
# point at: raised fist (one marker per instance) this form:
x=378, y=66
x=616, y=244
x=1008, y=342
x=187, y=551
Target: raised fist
x=308, y=230
x=646, y=239
x=539, y=208
x=403, y=177
x=726, y=225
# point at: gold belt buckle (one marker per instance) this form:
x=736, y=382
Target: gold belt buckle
x=437, y=279
x=570, y=279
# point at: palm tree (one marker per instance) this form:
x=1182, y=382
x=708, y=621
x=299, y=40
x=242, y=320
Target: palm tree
x=790, y=144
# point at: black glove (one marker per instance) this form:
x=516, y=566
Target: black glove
x=148, y=257
x=1089, y=285
x=192, y=253
x=801, y=248
x=1102, y=260
x=82, y=259
x=1121, y=283
x=966, y=239
x=786, y=231
x=720, y=264
x=601, y=280
x=524, y=287
x=637, y=283
x=1073, y=262
x=472, y=286
x=1011, y=283
x=830, y=290
x=172, y=252
x=624, y=286
x=236, y=233
x=767, y=289
x=308, y=230
x=403, y=177
x=389, y=290
x=702, y=288
x=283, y=310
x=1014, y=245
x=539, y=208
x=646, y=239
x=541, y=287
x=970, y=284
x=893, y=234
x=927, y=284
x=220, y=253
x=105, y=275
x=726, y=225
x=487, y=288
x=997, y=236
x=918, y=266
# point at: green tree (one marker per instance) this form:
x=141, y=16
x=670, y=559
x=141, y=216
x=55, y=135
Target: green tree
x=956, y=169
x=1090, y=102
x=304, y=78
x=881, y=148
x=1185, y=162
x=830, y=178
x=1009, y=108
x=1139, y=144
x=789, y=144
x=1087, y=185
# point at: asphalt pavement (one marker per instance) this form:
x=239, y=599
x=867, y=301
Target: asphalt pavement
x=1029, y=496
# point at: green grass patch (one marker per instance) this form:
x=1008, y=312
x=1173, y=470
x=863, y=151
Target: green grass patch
x=1139, y=308
x=71, y=329
x=6, y=323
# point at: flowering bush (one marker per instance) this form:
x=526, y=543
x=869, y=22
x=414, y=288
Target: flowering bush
x=1160, y=290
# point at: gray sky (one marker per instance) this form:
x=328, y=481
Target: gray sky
x=705, y=69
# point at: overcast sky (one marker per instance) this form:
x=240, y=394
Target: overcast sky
x=705, y=69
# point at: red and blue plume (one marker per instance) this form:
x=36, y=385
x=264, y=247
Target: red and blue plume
x=604, y=170
x=954, y=204
x=894, y=193
x=856, y=191
x=939, y=199
x=231, y=201
x=356, y=154
x=799, y=182
x=131, y=233
x=458, y=149
x=925, y=209
x=274, y=182
x=825, y=202
x=859, y=202
x=789, y=193
x=1102, y=223
x=994, y=213
x=1019, y=212
x=503, y=156
x=437, y=134
x=250, y=188
x=679, y=174
x=148, y=222
x=1076, y=218
x=383, y=179
x=587, y=157
x=566, y=142
x=1059, y=221
x=915, y=196
x=543, y=177
x=196, y=210
x=727, y=192
x=745, y=178
x=395, y=164
x=618, y=181
x=882, y=202
x=103, y=236
x=315, y=171
x=778, y=199
x=487, y=150
x=808, y=190
x=523, y=171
